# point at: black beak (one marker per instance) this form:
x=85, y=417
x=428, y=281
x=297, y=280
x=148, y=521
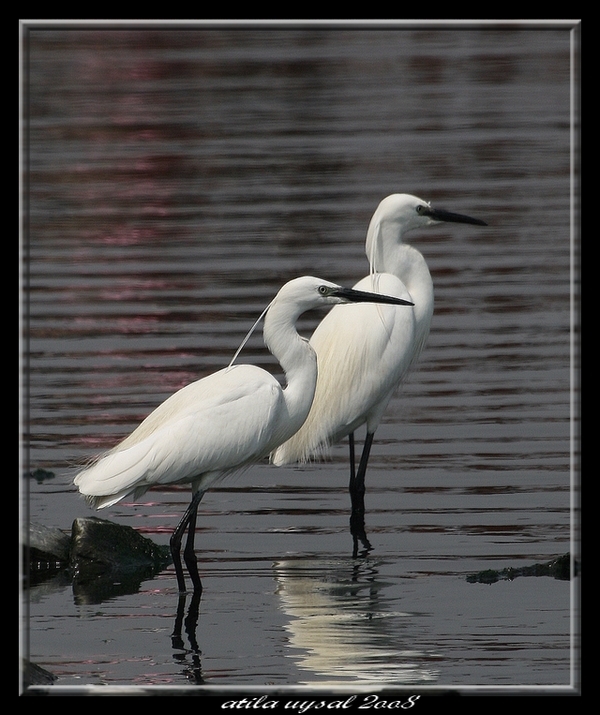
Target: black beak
x=361, y=296
x=441, y=215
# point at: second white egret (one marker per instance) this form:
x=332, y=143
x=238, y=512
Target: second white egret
x=365, y=353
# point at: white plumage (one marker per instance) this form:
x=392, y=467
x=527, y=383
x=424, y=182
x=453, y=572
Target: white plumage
x=364, y=352
x=223, y=422
x=357, y=372
x=189, y=439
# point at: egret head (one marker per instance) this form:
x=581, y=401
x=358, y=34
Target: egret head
x=302, y=294
x=400, y=213
x=309, y=292
x=407, y=212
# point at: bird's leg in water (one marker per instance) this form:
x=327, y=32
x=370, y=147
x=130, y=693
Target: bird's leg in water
x=189, y=518
x=189, y=555
x=357, y=481
x=352, y=460
x=357, y=497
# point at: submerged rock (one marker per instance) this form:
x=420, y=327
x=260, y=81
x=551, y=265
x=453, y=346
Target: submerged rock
x=559, y=568
x=33, y=674
x=40, y=475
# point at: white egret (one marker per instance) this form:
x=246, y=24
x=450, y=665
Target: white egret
x=364, y=353
x=223, y=422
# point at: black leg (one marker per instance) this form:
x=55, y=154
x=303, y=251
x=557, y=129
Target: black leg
x=189, y=555
x=357, y=497
x=357, y=481
x=175, y=543
x=352, y=460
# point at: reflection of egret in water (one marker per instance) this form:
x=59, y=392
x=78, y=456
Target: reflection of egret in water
x=193, y=670
x=339, y=620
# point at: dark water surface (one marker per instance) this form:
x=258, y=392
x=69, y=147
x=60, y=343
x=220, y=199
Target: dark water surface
x=177, y=178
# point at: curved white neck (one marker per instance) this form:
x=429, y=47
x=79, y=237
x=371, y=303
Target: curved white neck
x=296, y=357
x=388, y=254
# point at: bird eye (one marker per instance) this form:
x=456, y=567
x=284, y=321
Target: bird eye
x=420, y=208
x=323, y=290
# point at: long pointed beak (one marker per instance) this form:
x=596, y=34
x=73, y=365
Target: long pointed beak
x=442, y=215
x=361, y=296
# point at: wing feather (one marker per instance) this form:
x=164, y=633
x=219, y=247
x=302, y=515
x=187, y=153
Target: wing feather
x=211, y=427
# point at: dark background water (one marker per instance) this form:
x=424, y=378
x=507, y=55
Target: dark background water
x=176, y=179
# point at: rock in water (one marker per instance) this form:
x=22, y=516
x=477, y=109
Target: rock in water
x=100, y=547
x=33, y=674
x=559, y=568
x=48, y=545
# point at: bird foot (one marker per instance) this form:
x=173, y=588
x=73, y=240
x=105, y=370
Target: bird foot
x=359, y=535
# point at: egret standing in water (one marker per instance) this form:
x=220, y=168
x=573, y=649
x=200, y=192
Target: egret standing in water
x=364, y=353
x=223, y=422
